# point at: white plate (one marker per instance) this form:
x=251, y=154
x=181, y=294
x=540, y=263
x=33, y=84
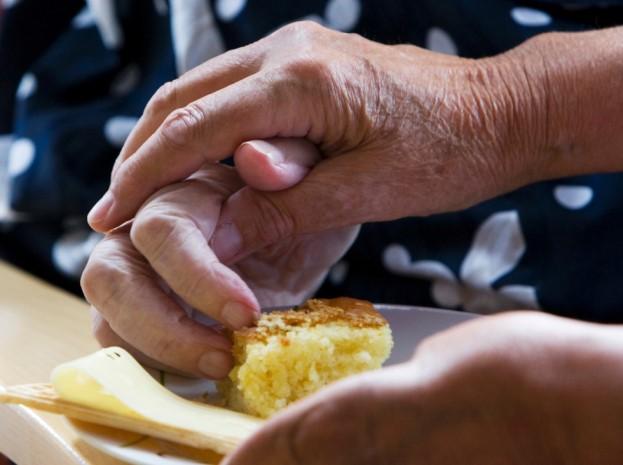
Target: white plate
x=409, y=326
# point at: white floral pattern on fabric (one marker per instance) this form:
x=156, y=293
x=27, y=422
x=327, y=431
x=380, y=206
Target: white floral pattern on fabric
x=497, y=247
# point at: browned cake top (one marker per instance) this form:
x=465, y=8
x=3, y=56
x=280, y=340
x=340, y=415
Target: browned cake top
x=352, y=312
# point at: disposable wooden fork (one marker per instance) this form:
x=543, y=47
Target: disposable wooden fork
x=42, y=397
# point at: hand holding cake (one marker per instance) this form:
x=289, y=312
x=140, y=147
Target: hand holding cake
x=143, y=278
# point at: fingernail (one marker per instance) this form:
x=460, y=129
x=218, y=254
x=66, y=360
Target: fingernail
x=100, y=209
x=226, y=241
x=267, y=149
x=237, y=315
x=215, y=364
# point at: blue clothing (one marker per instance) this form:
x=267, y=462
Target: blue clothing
x=555, y=245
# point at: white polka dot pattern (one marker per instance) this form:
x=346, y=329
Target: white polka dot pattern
x=342, y=15
x=530, y=17
x=27, y=86
x=21, y=156
x=228, y=10
x=573, y=197
x=440, y=41
x=71, y=251
x=497, y=247
x=118, y=128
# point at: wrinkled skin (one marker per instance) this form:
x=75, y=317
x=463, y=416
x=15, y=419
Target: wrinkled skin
x=168, y=243
x=485, y=392
x=401, y=131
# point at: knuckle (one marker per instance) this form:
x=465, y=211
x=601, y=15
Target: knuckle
x=163, y=100
x=316, y=427
x=159, y=347
x=167, y=349
x=305, y=76
x=99, y=281
x=301, y=31
x=298, y=79
x=272, y=222
x=298, y=438
x=182, y=125
x=151, y=231
x=305, y=68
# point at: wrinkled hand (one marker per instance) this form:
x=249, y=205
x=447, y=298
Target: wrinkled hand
x=516, y=389
x=144, y=278
x=403, y=132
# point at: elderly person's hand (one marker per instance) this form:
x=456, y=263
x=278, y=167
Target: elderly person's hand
x=403, y=131
x=143, y=278
x=490, y=391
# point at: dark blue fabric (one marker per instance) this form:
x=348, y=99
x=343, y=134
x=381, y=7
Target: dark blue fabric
x=572, y=255
x=66, y=115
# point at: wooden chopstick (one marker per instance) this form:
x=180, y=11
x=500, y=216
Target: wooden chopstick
x=42, y=396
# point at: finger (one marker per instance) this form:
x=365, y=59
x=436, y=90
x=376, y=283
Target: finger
x=172, y=230
x=338, y=192
x=215, y=74
x=275, y=164
x=209, y=129
x=119, y=283
x=108, y=338
x=337, y=425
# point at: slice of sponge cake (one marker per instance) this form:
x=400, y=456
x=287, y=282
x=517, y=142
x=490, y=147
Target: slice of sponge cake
x=293, y=353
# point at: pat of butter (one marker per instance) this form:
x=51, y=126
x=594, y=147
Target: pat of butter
x=112, y=380
x=74, y=385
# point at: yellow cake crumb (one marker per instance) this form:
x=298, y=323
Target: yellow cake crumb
x=293, y=353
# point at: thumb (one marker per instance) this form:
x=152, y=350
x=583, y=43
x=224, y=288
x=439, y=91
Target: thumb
x=366, y=418
x=275, y=164
x=337, y=192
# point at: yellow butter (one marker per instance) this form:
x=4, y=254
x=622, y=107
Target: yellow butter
x=112, y=380
x=74, y=385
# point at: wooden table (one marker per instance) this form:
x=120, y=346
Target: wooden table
x=40, y=327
